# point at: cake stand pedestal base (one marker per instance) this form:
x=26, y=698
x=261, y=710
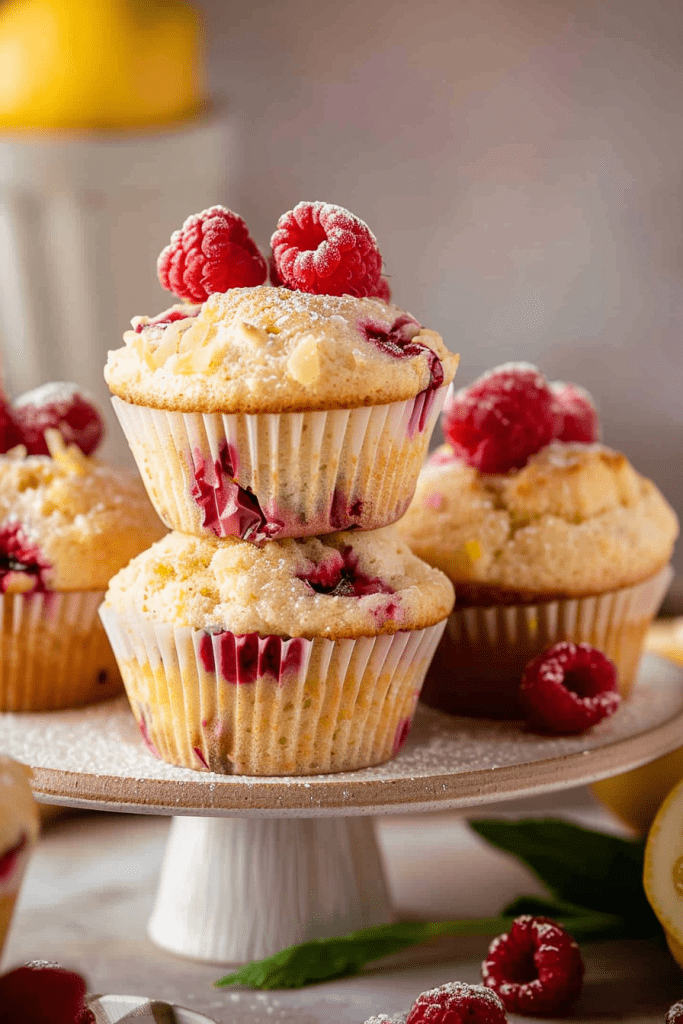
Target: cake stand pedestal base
x=239, y=889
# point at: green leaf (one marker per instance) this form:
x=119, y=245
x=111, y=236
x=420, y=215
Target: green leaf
x=580, y=922
x=579, y=866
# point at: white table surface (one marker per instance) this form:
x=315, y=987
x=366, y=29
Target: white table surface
x=90, y=887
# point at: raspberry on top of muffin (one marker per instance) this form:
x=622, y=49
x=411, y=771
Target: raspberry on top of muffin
x=322, y=336
x=523, y=503
x=67, y=521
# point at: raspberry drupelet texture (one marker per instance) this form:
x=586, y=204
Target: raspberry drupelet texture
x=568, y=689
x=502, y=419
x=325, y=249
x=536, y=968
x=674, y=1015
x=458, y=1003
x=60, y=406
x=576, y=418
x=212, y=252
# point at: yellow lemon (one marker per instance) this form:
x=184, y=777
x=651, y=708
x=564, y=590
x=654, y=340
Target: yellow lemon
x=635, y=797
x=99, y=64
x=663, y=870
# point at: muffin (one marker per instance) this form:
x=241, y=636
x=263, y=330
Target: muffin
x=67, y=524
x=18, y=834
x=297, y=657
x=574, y=544
x=266, y=412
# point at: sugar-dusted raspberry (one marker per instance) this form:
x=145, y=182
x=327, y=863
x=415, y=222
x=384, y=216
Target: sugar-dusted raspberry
x=10, y=434
x=60, y=406
x=326, y=250
x=568, y=688
x=457, y=1003
x=536, y=968
x=383, y=290
x=576, y=418
x=502, y=419
x=674, y=1015
x=212, y=252
x=43, y=993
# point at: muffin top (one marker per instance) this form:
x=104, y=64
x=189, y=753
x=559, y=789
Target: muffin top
x=18, y=809
x=68, y=522
x=342, y=585
x=576, y=520
x=270, y=349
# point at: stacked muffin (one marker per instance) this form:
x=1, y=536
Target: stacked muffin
x=268, y=422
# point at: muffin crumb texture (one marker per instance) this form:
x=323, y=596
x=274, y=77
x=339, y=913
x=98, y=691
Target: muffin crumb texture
x=267, y=349
x=576, y=520
x=343, y=585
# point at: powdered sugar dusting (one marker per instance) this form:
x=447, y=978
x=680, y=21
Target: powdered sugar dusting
x=104, y=740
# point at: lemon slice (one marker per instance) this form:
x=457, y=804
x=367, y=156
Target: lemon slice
x=663, y=870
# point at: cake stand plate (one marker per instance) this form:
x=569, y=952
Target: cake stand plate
x=255, y=864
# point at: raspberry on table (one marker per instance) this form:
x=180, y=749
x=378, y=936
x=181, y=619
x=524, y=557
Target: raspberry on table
x=212, y=252
x=576, y=418
x=535, y=968
x=59, y=406
x=501, y=419
x=43, y=993
x=457, y=1003
x=568, y=688
x=326, y=250
x=674, y=1015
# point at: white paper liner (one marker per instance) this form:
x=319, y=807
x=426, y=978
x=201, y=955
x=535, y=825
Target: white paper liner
x=55, y=653
x=338, y=706
x=312, y=472
x=478, y=666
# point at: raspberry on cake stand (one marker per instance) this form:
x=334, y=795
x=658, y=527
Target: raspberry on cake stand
x=256, y=864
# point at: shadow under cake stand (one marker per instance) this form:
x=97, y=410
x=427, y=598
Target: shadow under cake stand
x=256, y=864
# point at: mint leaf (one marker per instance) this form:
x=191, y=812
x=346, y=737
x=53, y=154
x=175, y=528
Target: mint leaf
x=325, y=959
x=579, y=866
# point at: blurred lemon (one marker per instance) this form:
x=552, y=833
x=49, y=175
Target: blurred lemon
x=635, y=797
x=99, y=64
x=663, y=870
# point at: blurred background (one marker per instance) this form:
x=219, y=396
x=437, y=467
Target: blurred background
x=520, y=163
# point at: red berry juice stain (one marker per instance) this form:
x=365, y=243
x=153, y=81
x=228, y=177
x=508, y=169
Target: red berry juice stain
x=344, y=514
x=401, y=734
x=9, y=859
x=397, y=341
x=245, y=658
x=201, y=756
x=229, y=510
x=145, y=735
x=339, y=576
x=169, y=316
x=18, y=554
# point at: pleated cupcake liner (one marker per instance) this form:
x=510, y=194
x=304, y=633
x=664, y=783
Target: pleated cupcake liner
x=251, y=705
x=55, y=653
x=478, y=665
x=281, y=475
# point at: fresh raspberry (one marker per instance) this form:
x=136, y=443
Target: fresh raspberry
x=674, y=1015
x=61, y=406
x=43, y=993
x=212, y=252
x=576, y=418
x=568, y=688
x=457, y=1003
x=502, y=419
x=383, y=290
x=536, y=968
x=10, y=434
x=326, y=250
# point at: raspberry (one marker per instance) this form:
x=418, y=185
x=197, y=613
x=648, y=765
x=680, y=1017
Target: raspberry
x=324, y=249
x=674, y=1015
x=212, y=252
x=10, y=434
x=536, y=968
x=383, y=290
x=339, y=576
x=19, y=555
x=576, y=418
x=169, y=316
x=568, y=688
x=457, y=1003
x=63, y=407
x=502, y=419
x=42, y=993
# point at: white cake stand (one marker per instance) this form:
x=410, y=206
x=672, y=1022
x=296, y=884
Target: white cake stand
x=256, y=864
